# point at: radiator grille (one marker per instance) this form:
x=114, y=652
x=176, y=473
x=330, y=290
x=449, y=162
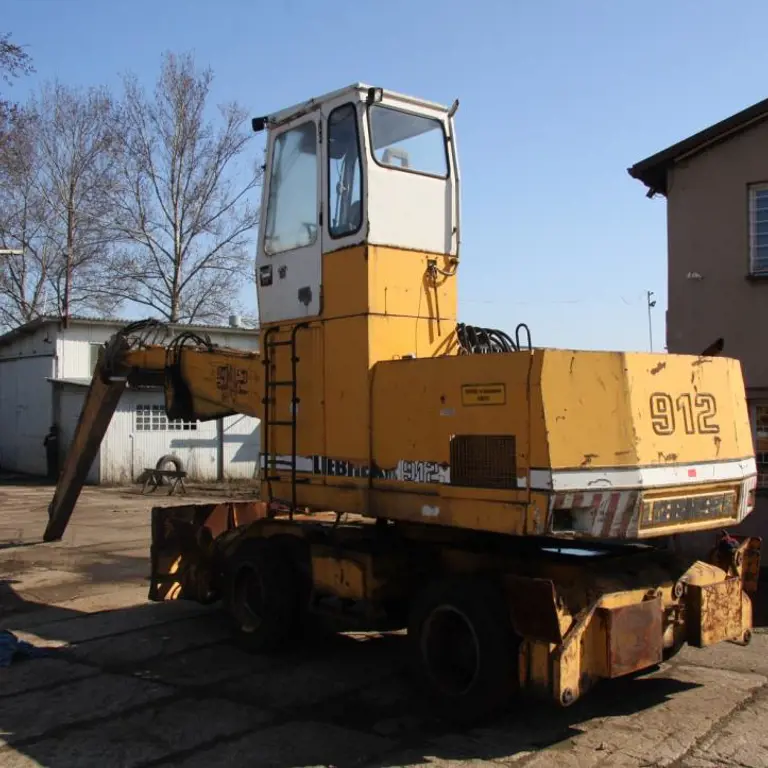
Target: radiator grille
x=483, y=461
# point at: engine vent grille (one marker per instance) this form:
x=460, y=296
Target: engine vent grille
x=483, y=461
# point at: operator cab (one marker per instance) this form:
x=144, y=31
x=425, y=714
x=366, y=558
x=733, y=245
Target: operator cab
x=357, y=166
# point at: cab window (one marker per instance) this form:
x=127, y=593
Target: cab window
x=292, y=205
x=344, y=173
x=408, y=142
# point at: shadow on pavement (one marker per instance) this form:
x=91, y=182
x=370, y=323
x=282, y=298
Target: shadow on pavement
x=157, y=684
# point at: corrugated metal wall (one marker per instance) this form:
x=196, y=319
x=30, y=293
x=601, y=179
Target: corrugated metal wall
x=139, y=435
x=26, y=413
x=241, y=437
x=76, y=348
x=71, y=401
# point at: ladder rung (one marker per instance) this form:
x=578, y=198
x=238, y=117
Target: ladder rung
x=271, y=344
x=280, y=423
x=280, y=383
x=284, y=479
x=279, y=463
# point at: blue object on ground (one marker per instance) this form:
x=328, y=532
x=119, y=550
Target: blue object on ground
x=10, y=646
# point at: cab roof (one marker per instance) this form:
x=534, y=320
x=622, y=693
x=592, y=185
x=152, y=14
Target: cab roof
x=354, y=90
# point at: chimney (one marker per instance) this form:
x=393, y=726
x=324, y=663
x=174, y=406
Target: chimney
x=235, y=321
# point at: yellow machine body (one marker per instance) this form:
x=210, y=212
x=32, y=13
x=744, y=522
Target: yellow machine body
x=393, y=422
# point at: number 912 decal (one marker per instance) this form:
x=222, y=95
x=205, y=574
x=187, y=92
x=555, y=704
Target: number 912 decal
x=692, y=413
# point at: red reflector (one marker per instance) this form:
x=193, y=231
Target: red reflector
x=691, y=473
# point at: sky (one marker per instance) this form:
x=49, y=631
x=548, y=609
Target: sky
x=557, y=99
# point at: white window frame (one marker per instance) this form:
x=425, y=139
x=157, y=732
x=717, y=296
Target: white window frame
x=754, y=189
x=762, y=466
x=149, y=417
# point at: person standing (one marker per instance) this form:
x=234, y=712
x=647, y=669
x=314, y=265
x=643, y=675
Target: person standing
x=51, y=444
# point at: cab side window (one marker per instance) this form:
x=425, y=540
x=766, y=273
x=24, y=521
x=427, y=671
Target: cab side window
x=344, y=173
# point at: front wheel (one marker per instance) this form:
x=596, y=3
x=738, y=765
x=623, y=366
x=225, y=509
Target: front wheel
x=261, y=593
x=463, y=648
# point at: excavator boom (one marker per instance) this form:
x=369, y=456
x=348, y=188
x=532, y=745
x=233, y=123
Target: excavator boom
x=201, y=381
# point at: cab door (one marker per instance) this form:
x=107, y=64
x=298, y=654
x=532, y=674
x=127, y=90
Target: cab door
x=289, y=260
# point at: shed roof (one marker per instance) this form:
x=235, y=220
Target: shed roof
x=654, y=169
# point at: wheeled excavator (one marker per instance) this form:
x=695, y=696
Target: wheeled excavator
x=510, y=506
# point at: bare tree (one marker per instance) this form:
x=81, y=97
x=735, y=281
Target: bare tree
x=14, y=62
x=23, y=276
x=185, y=222
x=57, y=182
x=79, y=158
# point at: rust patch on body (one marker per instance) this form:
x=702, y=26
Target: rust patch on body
x=714, y=611
x=657, y=368
x=634, y=636
x=588, y=459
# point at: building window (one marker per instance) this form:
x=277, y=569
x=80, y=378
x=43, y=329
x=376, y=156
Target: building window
x=761, y=444
x=758, y=229
x=152, y=418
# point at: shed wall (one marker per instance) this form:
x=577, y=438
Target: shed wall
x=26, y=413
x=71, y=400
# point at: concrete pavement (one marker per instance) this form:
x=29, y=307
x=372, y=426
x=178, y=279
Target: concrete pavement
x=137, y=684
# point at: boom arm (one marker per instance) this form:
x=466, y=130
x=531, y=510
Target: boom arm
x=201, y=382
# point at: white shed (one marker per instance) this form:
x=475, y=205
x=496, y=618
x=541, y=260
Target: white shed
x=45, y=371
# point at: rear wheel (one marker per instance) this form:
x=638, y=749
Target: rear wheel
x=463, y=648
x=262, y=596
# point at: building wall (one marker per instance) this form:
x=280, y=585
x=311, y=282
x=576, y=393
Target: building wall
x=39, y=343
x=241, y=439
x=77, y=347
x=26, y=413
x=29, y=403
x=708, y=233
x=70, y=404
x=130, y=447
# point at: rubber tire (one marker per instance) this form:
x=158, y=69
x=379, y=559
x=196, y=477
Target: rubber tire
x=278, y=579
x=169, y=458
x=482, y=606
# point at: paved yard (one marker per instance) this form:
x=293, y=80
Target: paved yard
x=139, y=684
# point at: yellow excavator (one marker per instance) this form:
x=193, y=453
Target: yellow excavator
x=511, y=506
